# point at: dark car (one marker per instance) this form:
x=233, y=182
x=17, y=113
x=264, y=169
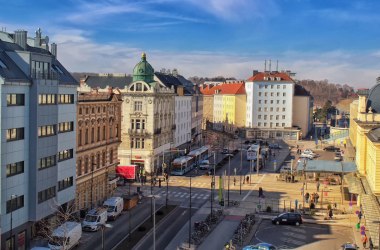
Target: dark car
x=288, y=219
x=275, y=146
x=330, y=148
x=349, y=246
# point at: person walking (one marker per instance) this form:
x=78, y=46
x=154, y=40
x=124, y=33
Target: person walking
x=316, y=198
x=234, y=181
x=330, y=214
x=364, y=240
x=370, y=243
x=307, y=196
x=360, y=216
x=247, y=179
x=318, y=184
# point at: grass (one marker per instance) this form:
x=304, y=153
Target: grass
x=144, y=228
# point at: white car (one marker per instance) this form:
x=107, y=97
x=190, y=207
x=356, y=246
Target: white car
x=308, y=151
x=205, y=164
x=308, y=156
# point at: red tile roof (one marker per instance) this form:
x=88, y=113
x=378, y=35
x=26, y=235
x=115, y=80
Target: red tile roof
x=225, y=89
x=259, y=77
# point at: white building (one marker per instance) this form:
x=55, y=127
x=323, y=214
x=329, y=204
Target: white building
x=38, y=136
x=270, y=105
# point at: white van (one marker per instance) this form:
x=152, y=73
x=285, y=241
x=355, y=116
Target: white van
x=94, y=219
x=66, y=236
x=114, y=206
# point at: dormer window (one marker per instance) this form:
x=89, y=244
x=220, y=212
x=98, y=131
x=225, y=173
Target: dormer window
x=138, y=86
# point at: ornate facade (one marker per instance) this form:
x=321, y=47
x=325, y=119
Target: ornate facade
x=98, y=139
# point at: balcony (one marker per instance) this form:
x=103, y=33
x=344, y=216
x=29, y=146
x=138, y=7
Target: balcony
x=138, y=132
x=174, y=127
x=157, y=131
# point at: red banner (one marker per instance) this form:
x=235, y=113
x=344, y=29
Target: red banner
x=127, y=172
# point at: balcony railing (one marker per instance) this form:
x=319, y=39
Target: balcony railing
x=47, y=75
x=141, y=132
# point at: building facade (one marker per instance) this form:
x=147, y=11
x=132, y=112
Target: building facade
x=147, y=120
x=38, y=120
x=98, y=139
x=303, y=104
x=270, y=106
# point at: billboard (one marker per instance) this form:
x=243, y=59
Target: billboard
x=127, y=172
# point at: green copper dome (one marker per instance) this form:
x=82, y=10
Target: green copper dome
x=143, y=71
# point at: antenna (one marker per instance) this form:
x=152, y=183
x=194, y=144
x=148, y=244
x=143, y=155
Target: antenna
x=265, y=65
x=270, y=65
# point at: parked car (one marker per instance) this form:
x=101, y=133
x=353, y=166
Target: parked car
x=246, y=142
x=308, y=156
x=260, y=246
x=225, y=151
x=205, y=164
x=349, y=246
x=331, y=148
x=337, y=157
x=308, y=151
x=94, y=219
x=288, y=218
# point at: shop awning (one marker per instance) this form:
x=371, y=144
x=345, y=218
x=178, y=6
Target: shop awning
x=319, y=166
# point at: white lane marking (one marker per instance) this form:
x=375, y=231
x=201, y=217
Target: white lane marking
x=250, y=191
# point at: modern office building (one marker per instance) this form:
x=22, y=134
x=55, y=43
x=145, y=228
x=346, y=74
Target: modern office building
x=98, y=139
x=270, y=106
x=38, y=121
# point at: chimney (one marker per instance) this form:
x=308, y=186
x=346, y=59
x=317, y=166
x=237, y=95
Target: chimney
x=54, y=49
x=255, y=72
x=20, y=38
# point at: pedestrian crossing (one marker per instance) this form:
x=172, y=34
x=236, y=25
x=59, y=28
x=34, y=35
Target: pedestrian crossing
x=179, y=195
x=186, y=183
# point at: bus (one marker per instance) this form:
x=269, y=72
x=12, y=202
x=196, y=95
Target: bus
x=199, y=154
x=252, y=152
x=182, y=165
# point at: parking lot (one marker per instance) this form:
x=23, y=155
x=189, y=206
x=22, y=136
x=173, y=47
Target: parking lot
x=306, y=236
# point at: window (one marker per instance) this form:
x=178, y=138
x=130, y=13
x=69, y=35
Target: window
x=65, y=99
x=259, y=117
x=14, y=134
x=46, y=99
x=278, y=101
x=265, y=101
x=15, y=168
x=80, y=137
x=92, y=135
x=265, y=109
x=265, y=124
x=284, y=94
x=2, y=65
x=259, y=124
x=47, y=130
x=271, y=94
x=265, y=117
x=271, y=86
x=271, y=117
x=266, y=86
x=277, y=117
x=259, y=109
x=46, y=194
x=278, y=93
x=277, y=109
x=283, y=124
x=86, y=136
x=65, y=127
x=259, y=101
x=283, y=116
x=277, y=124
x=15, y=99
x=266, y=93
x=283, y=109
x=138, y=86
x=278, y=86
x=284, y=86
x=47, y=162
x=79, y=167
x=271, y=108
x=98, y=134
x=259, y=93
x=138, y=106
x=65, y=183
x=15, y=203
x=65, y=155
x=271, y=101
x=283, y=101
x=138, y=123
x=111, y=156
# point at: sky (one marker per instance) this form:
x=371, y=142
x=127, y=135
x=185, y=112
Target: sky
x=337, y=40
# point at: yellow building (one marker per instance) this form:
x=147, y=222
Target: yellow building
x=365, y=135
x=228, y=106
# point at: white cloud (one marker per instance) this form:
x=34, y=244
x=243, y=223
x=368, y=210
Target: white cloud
x=83, y=55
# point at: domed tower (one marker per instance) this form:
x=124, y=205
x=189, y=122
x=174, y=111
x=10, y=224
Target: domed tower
x=373, y=101
x=143, y=71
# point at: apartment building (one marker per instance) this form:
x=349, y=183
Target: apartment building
x=38, y=120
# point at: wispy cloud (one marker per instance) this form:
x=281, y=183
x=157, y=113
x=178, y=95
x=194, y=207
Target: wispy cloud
x=346, y=15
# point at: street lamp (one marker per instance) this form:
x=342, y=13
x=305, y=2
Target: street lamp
x=154, y=218
x=13, y=196
x=229, y=173
x=189, y=216
x=103, y=227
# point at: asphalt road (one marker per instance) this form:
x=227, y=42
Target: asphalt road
x=306, y=236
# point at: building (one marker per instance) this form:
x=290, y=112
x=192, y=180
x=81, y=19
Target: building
x=182, y=108
x=147, y=120
x=105, y=80
x=303, y=104
x=98, y=139
x=364, y=141
x=208, y=106
x=270, y=106
x=228, y=106
x=38, y=120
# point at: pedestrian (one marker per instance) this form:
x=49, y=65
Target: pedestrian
x=364, y=240
x=330, y=214
x=370, y=243
x=261, y=192
x=360, y=216
x=307, y=196
x=357, y=226
x=247, y=179
x=312, y=198
x=316, y=198
x=234, y=181
x=318, y=184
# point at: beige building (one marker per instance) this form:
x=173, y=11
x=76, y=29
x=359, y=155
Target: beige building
x=302, y=110
x=148, y=120
x=98, y=139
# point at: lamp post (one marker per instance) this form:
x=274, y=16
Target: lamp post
x=92, y=181
x=189, y=216
x=154, y=218
x=103, y=227
x=13, y=196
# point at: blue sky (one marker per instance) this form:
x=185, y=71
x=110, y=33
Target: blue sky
x=338, y=40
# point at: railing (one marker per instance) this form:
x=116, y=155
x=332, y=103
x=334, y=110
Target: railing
x=47, y=75
x=141, y=132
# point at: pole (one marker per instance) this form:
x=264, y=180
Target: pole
x=102, y=228
x=190, y=215
x=257, y=162
x=92, y=181
x=250, y=172
x=229, y=173
x=154, y=222
x=241, y=162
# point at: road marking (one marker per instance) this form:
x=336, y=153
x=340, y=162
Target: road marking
x=250, y=191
